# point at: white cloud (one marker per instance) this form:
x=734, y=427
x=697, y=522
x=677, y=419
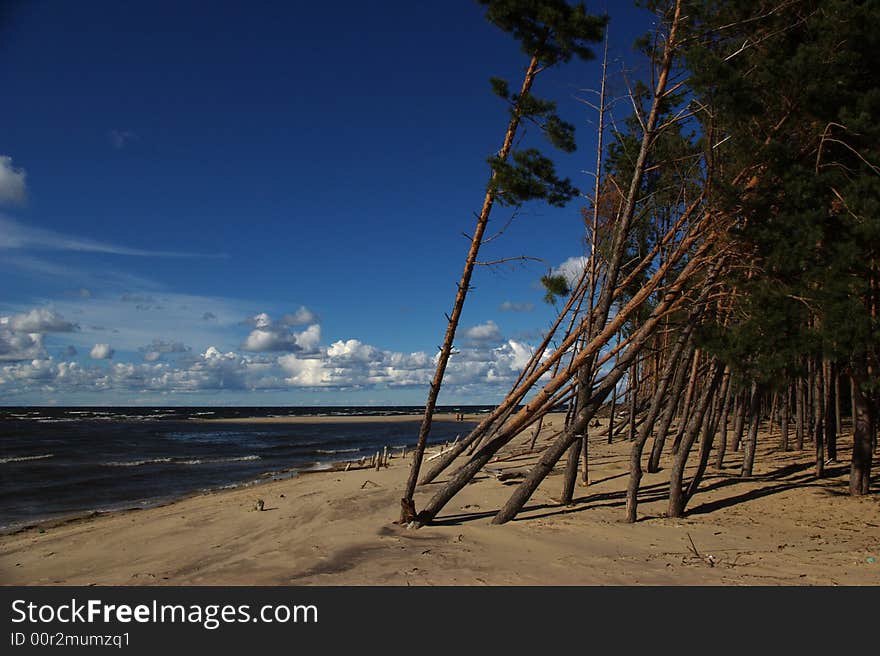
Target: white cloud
x=571, y=269
x=260, y=341
x=269, y=336
x=20, y=346
x=38, y=320
x=274, y=356
x=262, y=320
x=345, y=364
x=309, y=339
x=158, y=347
x=305, y=372
x=16, y=236
x=509, y=306
x=301, y=317
x=101, y=352
x=21, y=335
x=13, y=188
x=484, y=332
x=355, y=351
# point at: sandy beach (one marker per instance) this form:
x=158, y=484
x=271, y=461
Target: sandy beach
x=337, y=528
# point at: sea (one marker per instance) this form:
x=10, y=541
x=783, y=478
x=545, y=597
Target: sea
x=57, y=463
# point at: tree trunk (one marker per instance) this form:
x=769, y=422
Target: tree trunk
x=708, y=437
x=722, y=442
x=783, y=421
x=739, y=423
x=633, y=394
x=535, y=433
x=810, y=407
x=407, y=504
x=574, y=453
x=585, y=454
x=837, y=419
x=688, y=401
x=611, y=416
x=571, y=472
x=673, y=364
x=774, y=408
x=830, y=403
x=800, y=415
x=751, y=441
x=678, y=384
x=860, y=467
x=587, y=356
x=818, y=418
x=677, y=498
x=852, y=403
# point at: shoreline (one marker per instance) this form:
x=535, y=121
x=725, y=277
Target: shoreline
x=782, y=527
x=262, y=479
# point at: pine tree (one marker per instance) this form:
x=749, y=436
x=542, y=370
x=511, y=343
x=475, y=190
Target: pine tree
x=795, y=92
x=550, y=32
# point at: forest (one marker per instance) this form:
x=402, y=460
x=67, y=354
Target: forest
x=731, y=237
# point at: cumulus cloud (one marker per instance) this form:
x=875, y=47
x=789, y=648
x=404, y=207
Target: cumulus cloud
x=571, y=269
x=309, y=338
x=101, y=352
x=345, y=364
x=13, y=189
x=158, y=347
x=260, y=341
x=484, y=332
x=209, y=316
x=484, y=365
x=20, y=346
x=306, y=372
x=38, y=320
x=301, y=317
x=270, y=336
x=509, y=306
x=21, y=335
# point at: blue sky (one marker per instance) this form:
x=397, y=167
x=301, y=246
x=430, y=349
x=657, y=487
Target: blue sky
x=263, y=203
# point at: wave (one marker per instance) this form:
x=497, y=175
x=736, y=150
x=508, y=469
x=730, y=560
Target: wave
x=136, y=463
x=179, y=461
x=332, y=451
x=3, y=461
x=214, y=461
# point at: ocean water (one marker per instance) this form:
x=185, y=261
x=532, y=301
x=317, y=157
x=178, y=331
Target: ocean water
x=57, y=462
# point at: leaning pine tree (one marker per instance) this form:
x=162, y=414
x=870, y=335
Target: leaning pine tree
x=550, y=32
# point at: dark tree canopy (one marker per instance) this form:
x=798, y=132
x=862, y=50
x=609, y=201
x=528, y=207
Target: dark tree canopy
x=796, y=94
x=551, y=30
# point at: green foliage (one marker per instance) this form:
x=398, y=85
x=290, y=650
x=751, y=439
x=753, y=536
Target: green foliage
x=542, y=112
x=560, y=134
x=500, y=87
x=799, y=109
x=551, y=30
x=531, y=176
x=556, y=286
